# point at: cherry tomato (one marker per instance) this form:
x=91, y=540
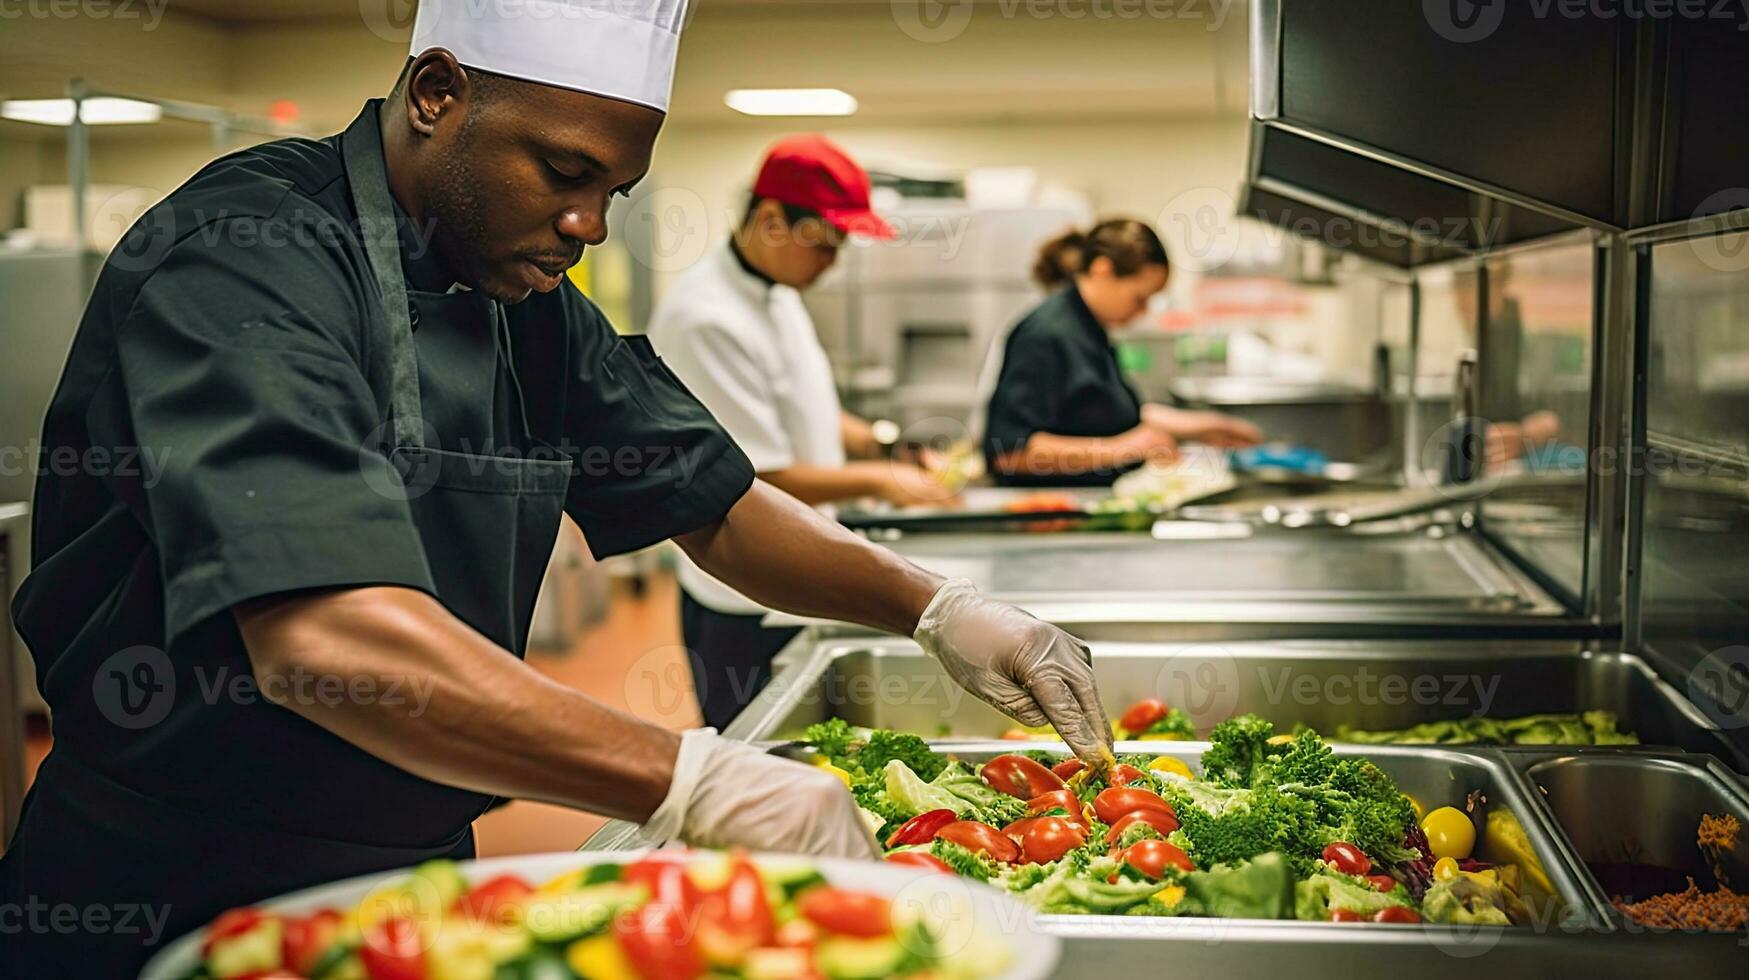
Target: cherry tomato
x=1058, y=799
x=846, y=913
x=1397, y=913
x=493, y=900
x=919, y=859
x=1050, y=838
x=981, y=838
x=1347, y=858
x=393, y=950
x=1068, y=767
x=657, y=937
x=1383, y=883
x=234, y=922
x=1113, y=803
x=1019, y=776
x=921, y=828
x=1344, y=915
x=1153, y=857
x=305, y=940
x=1165, y=823
x=1142, y=715
x=1018, y=828
x=1123, y=774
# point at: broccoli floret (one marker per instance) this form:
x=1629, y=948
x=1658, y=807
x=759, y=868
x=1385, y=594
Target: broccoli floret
x=1266, y=820
x=1136, y=832
x=964, y=861
x=884, y=746
x=1305, y=760
x=1237, y=746
x=1176, y=722
x=833, y=738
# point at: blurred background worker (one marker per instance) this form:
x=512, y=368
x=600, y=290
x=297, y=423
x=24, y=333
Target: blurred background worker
x=1062, y=413
x=734, y=329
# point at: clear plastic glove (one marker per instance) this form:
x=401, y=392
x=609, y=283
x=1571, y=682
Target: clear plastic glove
x=1028, y=669
x=730, y=794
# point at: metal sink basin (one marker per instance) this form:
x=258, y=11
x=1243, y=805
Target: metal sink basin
x=1632, y=821
x=890, y=683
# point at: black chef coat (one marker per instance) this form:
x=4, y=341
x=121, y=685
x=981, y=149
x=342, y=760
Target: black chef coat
x=1059, y=376
x=220, y=429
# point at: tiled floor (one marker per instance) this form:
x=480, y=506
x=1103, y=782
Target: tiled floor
x=632, y=660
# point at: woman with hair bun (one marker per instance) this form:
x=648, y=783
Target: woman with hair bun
x=1062, y=413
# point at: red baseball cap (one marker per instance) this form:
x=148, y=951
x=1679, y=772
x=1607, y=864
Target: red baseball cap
x=810, y=171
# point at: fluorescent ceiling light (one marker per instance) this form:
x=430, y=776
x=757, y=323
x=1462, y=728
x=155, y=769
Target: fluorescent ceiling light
x=791, y=101
x=101, y=111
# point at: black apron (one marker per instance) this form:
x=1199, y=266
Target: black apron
x=110, y=853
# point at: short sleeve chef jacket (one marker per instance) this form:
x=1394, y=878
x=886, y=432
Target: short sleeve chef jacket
x=1060, y=376
x=747, y=347
x=212, y=440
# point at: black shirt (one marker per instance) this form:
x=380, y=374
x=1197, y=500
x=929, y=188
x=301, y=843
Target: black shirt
x=227, y=403
x=1059, y=376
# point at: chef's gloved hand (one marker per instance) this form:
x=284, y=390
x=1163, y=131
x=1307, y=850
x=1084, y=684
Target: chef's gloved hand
x=730, y=794
x=1028, y=669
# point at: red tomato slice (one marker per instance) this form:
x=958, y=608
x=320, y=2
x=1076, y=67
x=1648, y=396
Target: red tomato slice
x=393, y=950
x=1153, y=857
x=921, y=828
x=1068, y=767
x=1058, y=799
x=1141, y=716
x=919, y=859
x=493, y=900
x=1122, y=774
x=657, y=937
x=1397, y=913
x=1384, y=883
x=1019, y=776
x=234, y=922
x=305, y=940
x=1049, y=838
x=981, y=838
x=737, y=919
x=847, y=913
x=1113, y=803
x=1343, y=915
x=1347, y=858
x=1165, y=823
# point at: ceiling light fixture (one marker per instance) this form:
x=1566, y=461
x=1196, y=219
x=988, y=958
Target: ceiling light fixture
x=791, y=101
x=98, y=111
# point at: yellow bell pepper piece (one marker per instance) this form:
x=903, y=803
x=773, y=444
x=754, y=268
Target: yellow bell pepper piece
x=1170, y=896
x=599, y=958
x=1166, y=763
x=1279, y=739
x=1445, y=869
x=843, y=776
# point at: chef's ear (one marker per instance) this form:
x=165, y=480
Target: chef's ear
x=1102, y=267
x=436, y=84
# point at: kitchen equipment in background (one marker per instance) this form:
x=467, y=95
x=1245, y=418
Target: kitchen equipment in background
x=573, y=595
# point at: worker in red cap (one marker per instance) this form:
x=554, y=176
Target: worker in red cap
x=734, y=329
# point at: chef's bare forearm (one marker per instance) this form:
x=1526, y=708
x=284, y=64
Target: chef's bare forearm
x=780, y=553
x=826, y=484
x=485, y=721
x=858, y=435
x=1048, y=454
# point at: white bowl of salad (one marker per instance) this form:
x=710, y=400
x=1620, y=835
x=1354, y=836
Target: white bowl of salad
x=656, y=915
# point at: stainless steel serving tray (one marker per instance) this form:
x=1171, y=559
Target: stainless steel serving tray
x=1308, y=584
x=1618, y=807
x=1435, y=777
x=890, y=683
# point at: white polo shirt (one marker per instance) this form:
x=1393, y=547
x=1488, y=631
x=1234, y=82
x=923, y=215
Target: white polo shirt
x=747, y=349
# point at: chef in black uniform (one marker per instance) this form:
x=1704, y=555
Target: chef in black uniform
x=281, y=646
x=1062, y=413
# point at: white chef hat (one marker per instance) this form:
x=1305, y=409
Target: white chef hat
x=622, y=49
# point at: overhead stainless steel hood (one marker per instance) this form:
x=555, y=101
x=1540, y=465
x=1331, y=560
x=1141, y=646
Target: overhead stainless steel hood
x=1413, y=133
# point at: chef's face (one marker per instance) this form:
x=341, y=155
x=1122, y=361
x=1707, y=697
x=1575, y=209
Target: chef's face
x=1117, y=299
x=519, y=176
x=794, y=253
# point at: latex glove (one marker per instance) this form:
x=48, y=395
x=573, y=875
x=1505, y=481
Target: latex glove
x=1028, y=669
x=730, y=794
